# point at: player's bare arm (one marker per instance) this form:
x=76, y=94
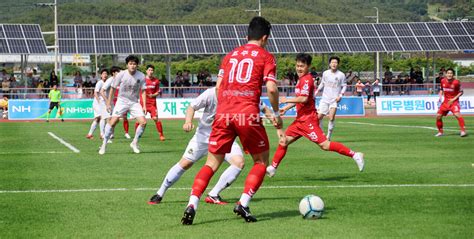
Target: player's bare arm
x=110, y=99
x=273, y=95
x=299, y=99
x=144, y=101
x=188, y=121
x=286, y=108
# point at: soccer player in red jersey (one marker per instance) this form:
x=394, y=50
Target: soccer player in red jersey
x=152, y=91
x=241, y=77
x=451, y=89
x=306, y=123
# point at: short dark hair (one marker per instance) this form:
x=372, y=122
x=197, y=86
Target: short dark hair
x=114, y=69
x=305, y=58
x=334, y=58
x=132, y=58
x=450, y=69
x=102, y=71
x=258, y=27
x=150, y=66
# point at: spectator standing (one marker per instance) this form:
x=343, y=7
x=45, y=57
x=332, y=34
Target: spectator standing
x=388, y=74
x=359, y=87
x=6, y=87
x=385, y=86
x=178, y=84
x=186, y=78
x=376, y=89
x=13, y=87
x=40, y=89
x=367, y=90
x=93, y=80
x=77, y=79
x=53, y=79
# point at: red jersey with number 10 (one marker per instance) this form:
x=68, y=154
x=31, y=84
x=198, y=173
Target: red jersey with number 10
x=450, y=89
x=243, y=72
x=305, y=87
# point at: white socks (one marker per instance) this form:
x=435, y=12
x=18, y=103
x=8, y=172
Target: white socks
x=193, y=200
x=107, y=132
x=93, y=127
x=330, y=128
x=138, y=134
x=102, y=124
x=244, y=200
x=172, y=176
x=226, y=179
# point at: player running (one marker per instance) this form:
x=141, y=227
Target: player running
x=152, y=91
x=333, y=84
x=54, y=102
x=451, y=89
x=241, y=77
x=130, y=82
x=306, y=123
x=198, y=148
x=99, y=106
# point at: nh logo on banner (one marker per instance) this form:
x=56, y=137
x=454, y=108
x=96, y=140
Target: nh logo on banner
x=21, y=108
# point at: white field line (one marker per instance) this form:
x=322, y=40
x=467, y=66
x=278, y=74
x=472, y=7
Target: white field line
x=35, y=152
x=74, y=149
x=401, y=126
x=240, y=188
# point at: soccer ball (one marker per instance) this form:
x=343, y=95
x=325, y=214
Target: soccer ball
x=311, y=207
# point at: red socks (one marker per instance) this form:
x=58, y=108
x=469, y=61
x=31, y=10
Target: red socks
x=202, y=180
x=461, y=123
x=439, y=124
x=136, y=126
x=279, y=155
x=159, y=127
x=341, y=149
x=254, y=179
x=125, y=125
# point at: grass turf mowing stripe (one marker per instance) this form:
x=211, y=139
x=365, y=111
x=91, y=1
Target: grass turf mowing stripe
x=266, y=187
x=401, y=126
x=74, y=149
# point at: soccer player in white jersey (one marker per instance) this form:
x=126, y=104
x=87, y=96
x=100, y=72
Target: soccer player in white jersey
x=333, y=84
x=107, y=90
x=198, y=148
x=130, y=82
x=98, y=105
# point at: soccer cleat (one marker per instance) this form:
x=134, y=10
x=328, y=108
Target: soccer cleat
x=112, y=136
x=463, y=134
x=271, y=171
x=102, y=148
x=155, y=199
x=162, y=138
x=244, y=212
x=109, y=141
x=90, y=136
x=62, y=120
x=135, y=148
x=188, y=215
x=127, y=136
x=439, y=134
x=359, y=159
x=47, y=121
x=215, y=200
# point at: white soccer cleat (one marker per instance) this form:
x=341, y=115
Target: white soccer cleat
x=439, y=134
x=109, y=141
x=102, y=149
x=127, y=136
x=271, y=171
x=135, y=148
x=463, y=134
x=359, y=159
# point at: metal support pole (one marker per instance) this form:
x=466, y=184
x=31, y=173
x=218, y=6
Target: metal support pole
x=56, y=44
x=60, y=71
x=168, y=73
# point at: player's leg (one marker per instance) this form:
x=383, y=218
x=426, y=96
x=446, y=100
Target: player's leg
x=194, y=151
x=154, y=116
x=51, y=107
x=236, y=160
x=126, y=126
x=323, y=110
x=461, y=124
x=442, y=111
x=108, y=132
x=138, y=134
x=94, y=124
x=332, y=120
x=343, y=150
x=292, y=134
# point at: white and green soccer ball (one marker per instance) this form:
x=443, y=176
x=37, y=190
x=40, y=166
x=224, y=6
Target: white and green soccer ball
x=311, y=207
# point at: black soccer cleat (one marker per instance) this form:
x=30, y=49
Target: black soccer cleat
x=244, y=212
x=155, y=199
x=188, y=216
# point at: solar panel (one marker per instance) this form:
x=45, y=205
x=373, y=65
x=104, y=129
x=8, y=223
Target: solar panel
x=21, y=39
x=220, y=39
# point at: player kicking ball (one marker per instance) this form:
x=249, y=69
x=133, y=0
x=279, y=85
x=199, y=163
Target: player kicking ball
x=198, y=148
x=334, y=85
x=130, y=81
x=306, y=123
x=242, y=74
x=451, y=89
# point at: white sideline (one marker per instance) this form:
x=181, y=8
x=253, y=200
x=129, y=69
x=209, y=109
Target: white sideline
x=35, y=152
x=74, y=149
x=401, y=126
x=240, y=188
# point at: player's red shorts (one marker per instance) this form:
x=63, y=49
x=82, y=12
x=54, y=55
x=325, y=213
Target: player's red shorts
x=308, y=128
x=252, y=135
x=152, y=109
x=445, y=108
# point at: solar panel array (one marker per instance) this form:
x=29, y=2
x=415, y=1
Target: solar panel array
x=21, y=39
x=285, y=38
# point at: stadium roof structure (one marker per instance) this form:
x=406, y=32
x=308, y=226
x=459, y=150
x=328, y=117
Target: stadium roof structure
x=285, y=38
x=21, y=39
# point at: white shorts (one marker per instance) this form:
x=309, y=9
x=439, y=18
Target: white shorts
x=196, y=150
x=100, y=110
x=324, y=107
x=122, y=108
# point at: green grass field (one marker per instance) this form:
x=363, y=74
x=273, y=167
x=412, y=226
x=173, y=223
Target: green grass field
x=414, y=185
